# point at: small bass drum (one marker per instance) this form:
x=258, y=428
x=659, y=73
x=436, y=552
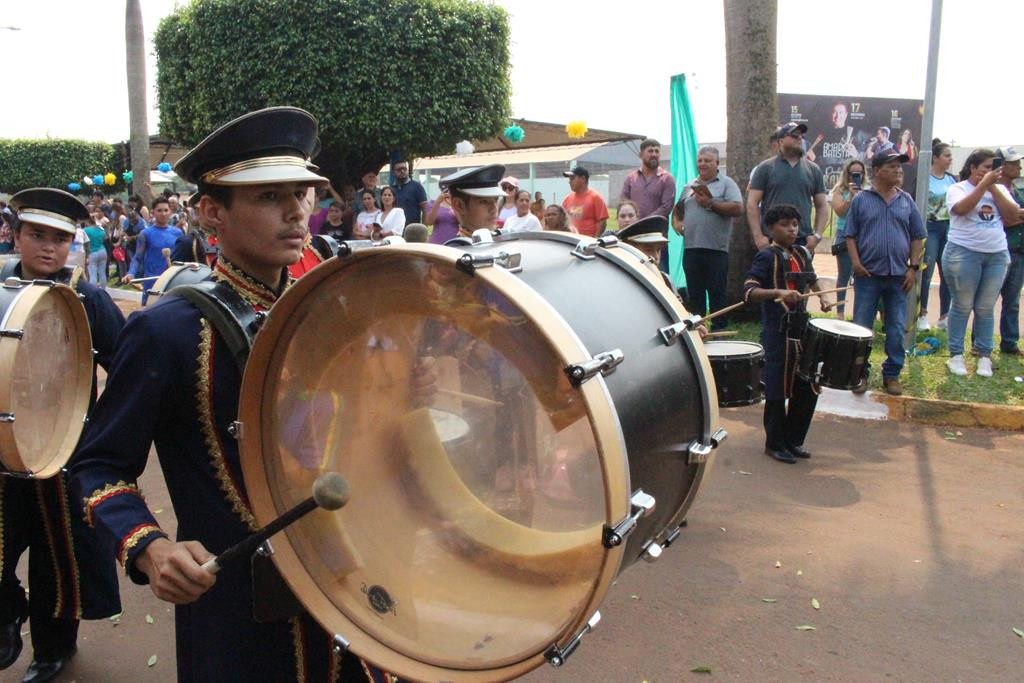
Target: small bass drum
x=179, y=274
x=564, y=438
x=834, y=353
x=737, y=367
x=46, y=368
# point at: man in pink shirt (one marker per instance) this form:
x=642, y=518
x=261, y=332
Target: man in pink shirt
x=586, y=208
x=650, y=187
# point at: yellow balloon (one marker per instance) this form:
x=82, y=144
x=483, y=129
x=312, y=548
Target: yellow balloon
x=109, y=179
x=576, y=129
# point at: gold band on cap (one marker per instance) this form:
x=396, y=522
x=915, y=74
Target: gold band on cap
x=211, y=177
x=46, y=214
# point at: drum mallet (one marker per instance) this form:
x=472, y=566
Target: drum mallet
x=166, y=251
x=330, y=492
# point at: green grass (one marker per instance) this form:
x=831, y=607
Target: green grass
x=927, y=376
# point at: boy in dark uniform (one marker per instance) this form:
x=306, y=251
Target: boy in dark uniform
x=474, y=196
x=783, y=270
x=253, y=174
x=71, y=573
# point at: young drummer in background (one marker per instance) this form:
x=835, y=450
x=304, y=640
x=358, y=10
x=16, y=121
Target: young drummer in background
x=782, y=324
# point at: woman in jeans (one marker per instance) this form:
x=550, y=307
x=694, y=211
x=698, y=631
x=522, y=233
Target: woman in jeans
x=853, y=178
x=96, y=259
x=976, y=257
x=939, y=182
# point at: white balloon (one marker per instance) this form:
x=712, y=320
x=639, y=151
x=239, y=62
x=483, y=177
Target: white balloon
x=464, y=149
x=87, y=180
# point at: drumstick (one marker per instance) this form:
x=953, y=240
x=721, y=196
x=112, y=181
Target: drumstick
x=721, y=311
x=167, y=255
x=471, y=398
x=723, y=333
x=146, y=279
x=824, y=291
x=330, y=492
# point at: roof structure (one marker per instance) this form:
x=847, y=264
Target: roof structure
x=540, y=134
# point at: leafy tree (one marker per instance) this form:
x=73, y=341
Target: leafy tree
x=55, y=162
x=406, y=76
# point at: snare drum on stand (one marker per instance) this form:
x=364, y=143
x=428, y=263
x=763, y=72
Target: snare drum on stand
x=480, y=539
x=179, y=274
x=46, y=372
x=834, y=353
x=737, y=368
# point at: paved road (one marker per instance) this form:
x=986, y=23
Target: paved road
x=910, y=542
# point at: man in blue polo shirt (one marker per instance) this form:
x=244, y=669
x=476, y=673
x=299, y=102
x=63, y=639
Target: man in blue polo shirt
x=885, y=239
x=410, y=196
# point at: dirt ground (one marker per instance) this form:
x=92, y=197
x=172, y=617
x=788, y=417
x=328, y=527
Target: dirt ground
x=909, y=539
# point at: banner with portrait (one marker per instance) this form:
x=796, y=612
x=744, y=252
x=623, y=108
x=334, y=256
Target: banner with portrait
x=840, y=128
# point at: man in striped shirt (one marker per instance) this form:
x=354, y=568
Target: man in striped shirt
x=885, y=239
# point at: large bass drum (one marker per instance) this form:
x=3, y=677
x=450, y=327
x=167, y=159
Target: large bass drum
x=570, y=429
x=46, y=371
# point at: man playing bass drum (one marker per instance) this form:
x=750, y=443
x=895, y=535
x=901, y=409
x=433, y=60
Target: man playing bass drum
x=71, y=572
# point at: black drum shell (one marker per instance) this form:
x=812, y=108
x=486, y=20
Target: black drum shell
x=737, y=376
x=833, y=360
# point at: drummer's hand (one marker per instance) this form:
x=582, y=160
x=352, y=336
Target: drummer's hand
x=702, y=331
x=127, y=279
x=424, y=382
x=175, y=570
x=789, y=296
x=826, y=303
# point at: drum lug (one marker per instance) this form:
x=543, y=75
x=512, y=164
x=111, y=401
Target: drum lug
x=604, y=362
x=699, y=453
x=13, y=334
x=236, y=429
x=6, y=417
x=265, y=549
x=718, y=437
x=556, y=656
x=670, y=333
x=652, y=552
x=640, y=504
x=339, y=644
x=671, y=538
x=510, y=261
x=483, y=236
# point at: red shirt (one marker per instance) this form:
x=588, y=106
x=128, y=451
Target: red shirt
x=586, y=210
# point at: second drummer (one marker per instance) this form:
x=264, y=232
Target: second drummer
x=783, y=270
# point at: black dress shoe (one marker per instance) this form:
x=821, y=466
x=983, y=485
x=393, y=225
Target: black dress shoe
x=781, y=454
x=40, y=672
x=798, y=451
x=10, y=642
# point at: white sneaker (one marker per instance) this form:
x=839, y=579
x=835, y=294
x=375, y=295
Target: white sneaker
x=941, y=324
x=956, y=365
x=922, y=324
x=984, y=367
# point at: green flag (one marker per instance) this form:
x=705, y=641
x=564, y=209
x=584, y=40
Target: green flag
x=683, y=165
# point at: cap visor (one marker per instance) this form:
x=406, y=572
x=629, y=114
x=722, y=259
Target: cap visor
x=656, y=238
x=801, y=127
x=26, y=217
x=481, y=191
x=264, y=175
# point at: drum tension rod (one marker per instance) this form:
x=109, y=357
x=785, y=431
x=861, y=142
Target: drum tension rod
x=641, y=504
x=604, y=362
x=510, y=261
x=587, y=250
x=13, y=334
x=556, y=656
x=670, y=333
x=339, y=645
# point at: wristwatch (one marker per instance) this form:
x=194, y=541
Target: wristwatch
x=817, y=235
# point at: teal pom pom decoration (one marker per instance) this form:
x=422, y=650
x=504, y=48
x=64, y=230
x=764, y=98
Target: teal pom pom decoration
x=164, y=167
x=127, y=176
x=515, y=133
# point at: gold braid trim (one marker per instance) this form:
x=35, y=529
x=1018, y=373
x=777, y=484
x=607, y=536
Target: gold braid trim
x=300, y=650
x=58, y=581
x=2, y=488
x=76, y=580
x=204, y=394
x=105, y=493
x=253, y=291
x=132, y=539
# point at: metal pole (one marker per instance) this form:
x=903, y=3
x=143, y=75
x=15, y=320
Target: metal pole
x=924, y=158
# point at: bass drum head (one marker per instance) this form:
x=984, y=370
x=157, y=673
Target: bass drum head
x=44, y=396
x=841, y=328
x=472, y=541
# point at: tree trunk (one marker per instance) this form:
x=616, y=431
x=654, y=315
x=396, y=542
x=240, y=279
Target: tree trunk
x=752, y=103
x=135, y=63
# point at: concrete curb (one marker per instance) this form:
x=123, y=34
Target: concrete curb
x=952, y=413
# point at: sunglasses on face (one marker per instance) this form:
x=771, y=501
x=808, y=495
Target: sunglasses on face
x=796, y=134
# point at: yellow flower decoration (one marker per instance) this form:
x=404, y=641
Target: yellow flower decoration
x=576, y=129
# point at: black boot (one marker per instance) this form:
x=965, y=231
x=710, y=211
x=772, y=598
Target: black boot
x=42, y=671
x=10, y=641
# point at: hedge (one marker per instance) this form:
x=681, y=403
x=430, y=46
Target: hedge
x=55, y=162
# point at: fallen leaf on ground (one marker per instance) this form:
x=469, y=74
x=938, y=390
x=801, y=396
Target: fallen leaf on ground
x=722, y=528
x=149, y=619
x=1018, y=632
x=769, y=600
x=805, y=627
x=701, y=670
x=745, y=472
x=799, y=572
x=959, y=433
x=115, y=617
x=152, y=661
x=777, y=564
x=815, y=604
x=635, y=597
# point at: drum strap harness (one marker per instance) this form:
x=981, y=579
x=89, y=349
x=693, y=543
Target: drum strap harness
x=235, y=320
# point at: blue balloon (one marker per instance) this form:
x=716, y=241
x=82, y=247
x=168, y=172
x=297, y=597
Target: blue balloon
x=164, y=167
x=97, y=180
x=74, y=187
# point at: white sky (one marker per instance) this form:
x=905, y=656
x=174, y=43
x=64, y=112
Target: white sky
x=577, y=59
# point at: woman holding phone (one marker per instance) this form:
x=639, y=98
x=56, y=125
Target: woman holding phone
x=852, y=179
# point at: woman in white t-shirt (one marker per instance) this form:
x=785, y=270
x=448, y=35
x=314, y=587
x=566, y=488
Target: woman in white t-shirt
x=975, y=259
x=523, y=221
x=363, y=228
x=392, y=218
x=507, y=203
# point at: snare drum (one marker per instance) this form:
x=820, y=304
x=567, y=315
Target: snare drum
x=179, y=274
x=46, y=368
x=737, y=368
x=578, y=416
x=834, y=353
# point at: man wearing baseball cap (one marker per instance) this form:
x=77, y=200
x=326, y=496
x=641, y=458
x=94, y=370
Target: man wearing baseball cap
x=885, y=239
x=586, y=208
x=788, y=178
x=1009, y=317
